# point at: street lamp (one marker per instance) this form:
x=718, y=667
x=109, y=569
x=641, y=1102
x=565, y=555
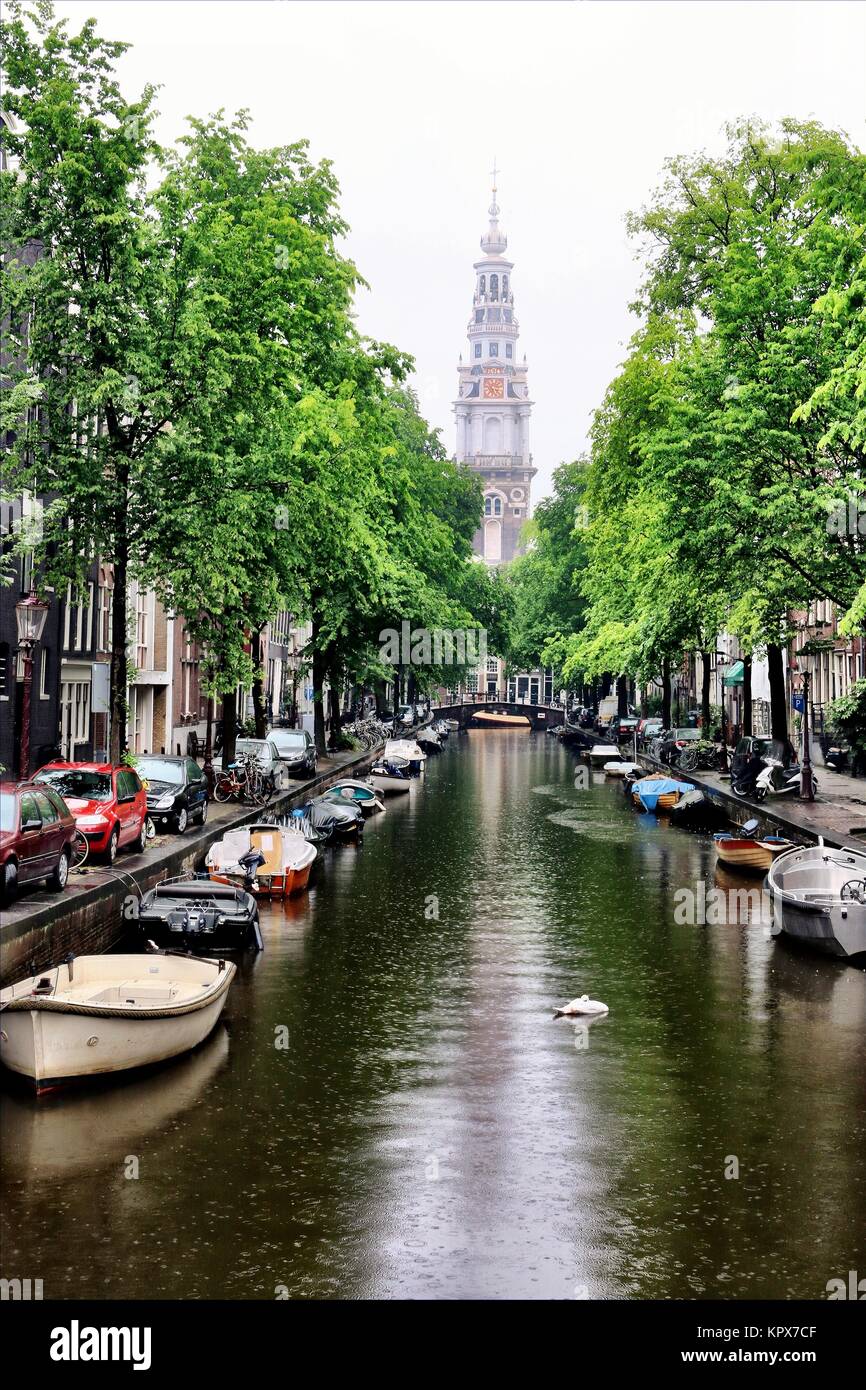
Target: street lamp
x=30, y=615
x=722, y=660
x=813, y=647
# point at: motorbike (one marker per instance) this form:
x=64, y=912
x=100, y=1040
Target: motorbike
x=766, y=776
x=837, y=759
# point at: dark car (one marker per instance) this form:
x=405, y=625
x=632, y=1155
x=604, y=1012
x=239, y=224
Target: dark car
x=622, y=726
x=296, y=749
x=177, y=791
x=648, y=729
x=37, y=832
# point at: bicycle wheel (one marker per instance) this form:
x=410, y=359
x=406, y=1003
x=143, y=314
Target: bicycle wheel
x=688, y=760
x=80, y=850
x=224, y=788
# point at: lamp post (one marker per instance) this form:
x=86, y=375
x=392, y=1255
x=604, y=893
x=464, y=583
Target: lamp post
x=722, y=660
x=30, y=615
x=813, y=647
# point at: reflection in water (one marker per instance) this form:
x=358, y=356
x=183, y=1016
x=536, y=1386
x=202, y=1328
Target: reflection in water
x=429, y=1130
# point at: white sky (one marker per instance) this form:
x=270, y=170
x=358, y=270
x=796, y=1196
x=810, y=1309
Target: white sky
x=580, y=104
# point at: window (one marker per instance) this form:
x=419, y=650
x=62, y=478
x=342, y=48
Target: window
x=482, y=285
x=493, y=506
x=494, y=349
x=29, y=812
x=494, y=287
x=507, y=315
x=43, y=675
x=488, y=506
x=505, y=287
x=4, y=669
x=509, y=350
x=517, y=511
x=47, y=809
x=477, y=349
x=479, y=315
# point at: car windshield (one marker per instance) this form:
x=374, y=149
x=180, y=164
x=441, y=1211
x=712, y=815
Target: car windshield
x=687, y=733
x=289, y=741
x=77, y=782
x=7, y=811
x=160, y=770
x=252, y=745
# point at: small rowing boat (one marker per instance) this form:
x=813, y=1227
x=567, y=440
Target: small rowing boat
x=658, y=793
x=391, y=776
x=363, y=794
x=95, y=1015
x=743, y=851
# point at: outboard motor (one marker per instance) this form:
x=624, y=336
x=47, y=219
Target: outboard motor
x=249, y=862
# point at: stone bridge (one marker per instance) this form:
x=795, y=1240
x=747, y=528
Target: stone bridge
x=539, y=716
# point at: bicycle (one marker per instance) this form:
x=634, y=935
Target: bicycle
x=80, y=850
x=244, y=780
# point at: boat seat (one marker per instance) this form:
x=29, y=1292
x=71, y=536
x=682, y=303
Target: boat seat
x=149, y=996
x=196, y=888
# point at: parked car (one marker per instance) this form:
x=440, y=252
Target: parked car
x=297, y=751
x=648, y=729
x=667, y=747
x=177, y=790
x=108, y=802
x=622, y=726
x=269, y=760
x=37, y=832
x=406, y=715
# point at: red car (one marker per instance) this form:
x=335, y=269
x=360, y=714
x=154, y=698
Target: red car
x=109, y=803
x=37, y=832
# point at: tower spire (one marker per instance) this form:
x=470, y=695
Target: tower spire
x=495, y=241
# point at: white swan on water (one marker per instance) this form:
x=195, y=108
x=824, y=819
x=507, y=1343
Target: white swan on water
x=583, y=1005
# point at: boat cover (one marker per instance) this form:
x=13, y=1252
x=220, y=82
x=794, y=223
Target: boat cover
x=649, y=789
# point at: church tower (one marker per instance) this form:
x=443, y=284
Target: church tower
x=493, y=406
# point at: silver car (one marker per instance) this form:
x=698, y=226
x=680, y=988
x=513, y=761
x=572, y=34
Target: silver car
x=267, y=756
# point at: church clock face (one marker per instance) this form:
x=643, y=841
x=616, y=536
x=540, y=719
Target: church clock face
x=494, y=389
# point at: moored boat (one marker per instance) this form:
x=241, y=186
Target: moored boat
x=363, y=794
x=429, y=740
x=697, y=809
x=391, y=776
x=406, y=748
x=601, y=753
x=333, y=819
x=196, y=914
x=286, y=859
x=819, y=898
x=95, y=1015
x=743, y=850
x=501, y=721
x=657, y=792
x=620, y=769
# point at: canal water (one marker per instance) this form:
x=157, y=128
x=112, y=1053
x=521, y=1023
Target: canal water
x=388, y=1108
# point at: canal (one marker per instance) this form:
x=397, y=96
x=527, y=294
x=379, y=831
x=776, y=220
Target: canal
x=389, y=1110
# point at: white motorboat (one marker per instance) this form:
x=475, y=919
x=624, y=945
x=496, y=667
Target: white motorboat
x=406, y=748
x=619, y=769
x=391, y=776
x=819, y=898
x=601, y=753
x=95, y=1015
x=285, y=857
x=364, y=794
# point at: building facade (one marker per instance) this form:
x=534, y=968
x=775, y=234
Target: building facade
x=493, y=407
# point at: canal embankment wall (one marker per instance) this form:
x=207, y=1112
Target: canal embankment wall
x=91, y=915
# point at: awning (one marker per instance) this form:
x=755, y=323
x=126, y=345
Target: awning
x=735, y=675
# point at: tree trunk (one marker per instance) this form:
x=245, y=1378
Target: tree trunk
x=319, y=673
x=666, y=692
x=334, y=702
x=747, y=697
x=706, y=674
x=606, y=683
x=622, y=696
x=119, y=710
x=778, y=703
x=398, y=675
x=381, y=702
x=258, y=693
x=230, y=719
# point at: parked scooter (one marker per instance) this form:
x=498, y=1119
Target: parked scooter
x=837, y=759
x=766, y=776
